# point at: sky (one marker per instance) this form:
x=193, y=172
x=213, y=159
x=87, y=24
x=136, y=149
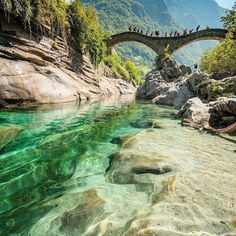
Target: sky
x=226, y=3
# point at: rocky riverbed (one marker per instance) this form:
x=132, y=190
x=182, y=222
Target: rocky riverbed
x=167, y=180
x=203, y=99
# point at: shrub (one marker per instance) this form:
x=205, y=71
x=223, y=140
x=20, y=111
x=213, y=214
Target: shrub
x=126, y=70
x=222, y=58
x=70, y=21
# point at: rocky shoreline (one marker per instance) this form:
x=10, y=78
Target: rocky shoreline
x=203, y=100
x=37, y=69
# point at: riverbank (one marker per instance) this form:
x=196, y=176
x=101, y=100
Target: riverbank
x=38, y=69
x=204, y=101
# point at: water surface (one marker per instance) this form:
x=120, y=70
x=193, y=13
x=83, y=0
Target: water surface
x=60, y=160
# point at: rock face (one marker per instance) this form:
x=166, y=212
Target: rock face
x=220, y=113
x=171, y=85
x=194, y=113
x=209, y=89
x=165, y=87
x=42, y=71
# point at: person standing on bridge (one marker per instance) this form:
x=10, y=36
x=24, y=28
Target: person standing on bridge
x=171, y=33
x=165, y=34
x=197, y=29
x=157, y=33
x=130, y=28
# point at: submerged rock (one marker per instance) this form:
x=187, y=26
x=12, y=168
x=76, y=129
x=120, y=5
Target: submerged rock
x=145, y=124
x=8, y=134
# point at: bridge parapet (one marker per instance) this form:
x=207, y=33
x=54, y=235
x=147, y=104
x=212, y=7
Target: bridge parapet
x=158, y=44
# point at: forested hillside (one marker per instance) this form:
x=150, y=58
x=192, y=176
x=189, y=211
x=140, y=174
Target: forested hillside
x=163, y=15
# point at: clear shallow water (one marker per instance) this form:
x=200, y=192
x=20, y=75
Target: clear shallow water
x=62, y=153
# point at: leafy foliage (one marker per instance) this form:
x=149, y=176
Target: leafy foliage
x=124, y=69
x=230, y=19
x=41, y=12
x=87, y=31
x=222, y=58
x=117, y=16
x=71, y=21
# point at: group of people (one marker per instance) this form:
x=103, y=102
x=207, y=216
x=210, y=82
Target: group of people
x=157, y=33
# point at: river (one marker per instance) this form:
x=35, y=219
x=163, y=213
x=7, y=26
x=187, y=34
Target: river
x=59, y=176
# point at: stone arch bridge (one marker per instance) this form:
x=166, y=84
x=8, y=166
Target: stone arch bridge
x=158, y=44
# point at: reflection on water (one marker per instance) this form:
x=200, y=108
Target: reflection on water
x=58, y=161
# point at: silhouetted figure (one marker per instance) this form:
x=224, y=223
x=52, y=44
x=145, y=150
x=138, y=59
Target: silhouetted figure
x=157, y=33
x=197, y=29
x=147, y=33
x=177, y=34
x=130, y=28
x=151, y=34
x=171, y=33
x=141, y=32
x=185, y=32
x=195, y=66
x=207, y=27
x=165, y=34
x=190, y=31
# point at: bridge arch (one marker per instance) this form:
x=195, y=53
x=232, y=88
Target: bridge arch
x=158, y=44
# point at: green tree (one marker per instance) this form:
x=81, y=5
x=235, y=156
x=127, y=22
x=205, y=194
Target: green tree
x=123, y=69
x=71, y=21
x=86, y=31
x=230, y=19
x=222, y=58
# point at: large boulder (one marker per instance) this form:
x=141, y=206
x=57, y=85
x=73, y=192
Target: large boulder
x=170, y=70
x=164, y=85
x=217, y=114
x=153, y=86
x=209, y=89
x=224, y=105
x=223, y=112
x=194, y=113
x=185, y=70
x=177, y=94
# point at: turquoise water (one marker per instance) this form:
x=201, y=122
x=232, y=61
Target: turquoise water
x=59, y=154
x=48, y=152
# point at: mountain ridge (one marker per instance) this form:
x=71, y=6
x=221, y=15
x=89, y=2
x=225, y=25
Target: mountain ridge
x=162, y=15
